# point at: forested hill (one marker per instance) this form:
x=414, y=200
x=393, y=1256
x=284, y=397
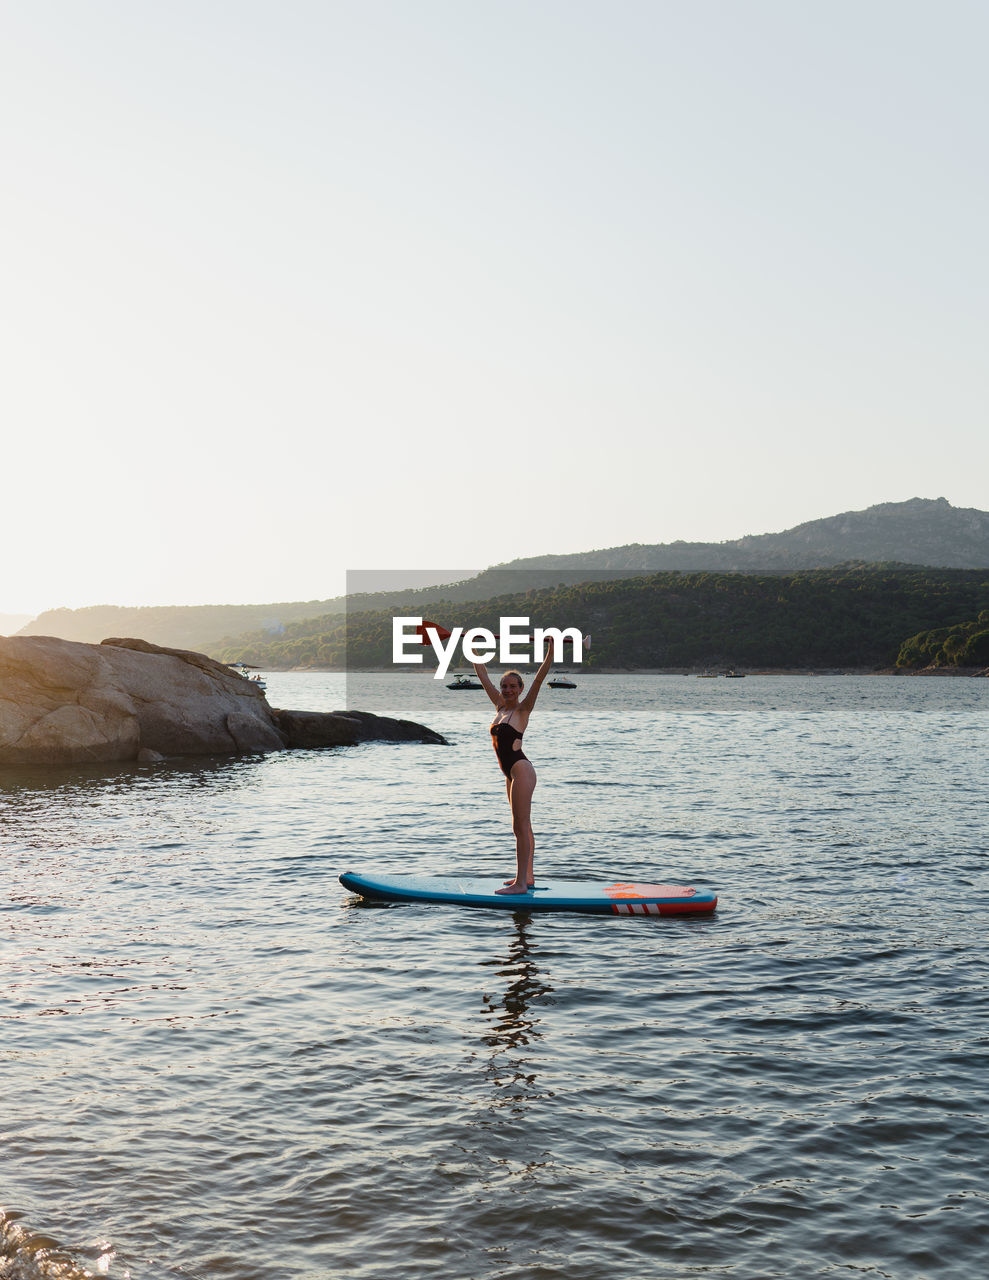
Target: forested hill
x=964, y=644
x=921, y=531
x=817, y=618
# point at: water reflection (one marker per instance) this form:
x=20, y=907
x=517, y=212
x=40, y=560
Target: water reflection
x=71, y=806
x=436, y=1132
x=512, y=1021
x=24, y=781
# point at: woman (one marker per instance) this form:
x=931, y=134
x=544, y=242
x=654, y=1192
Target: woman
x=511, y=719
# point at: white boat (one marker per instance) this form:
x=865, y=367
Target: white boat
x=243, y=670
x=561, y=680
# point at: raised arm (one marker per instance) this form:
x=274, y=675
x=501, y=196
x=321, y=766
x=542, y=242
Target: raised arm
x=529, y=701
x=481, y=671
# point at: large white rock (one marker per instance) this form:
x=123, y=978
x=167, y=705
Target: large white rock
x=62, y=702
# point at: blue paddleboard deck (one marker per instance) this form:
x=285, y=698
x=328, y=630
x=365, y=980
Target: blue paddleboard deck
x=620, y=897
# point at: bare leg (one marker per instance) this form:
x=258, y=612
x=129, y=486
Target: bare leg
x=530, y=878
x=521, y=786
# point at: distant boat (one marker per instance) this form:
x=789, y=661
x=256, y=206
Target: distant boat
x=464, y=682
x=561, y=681
x=732, y=674
x=242, y=669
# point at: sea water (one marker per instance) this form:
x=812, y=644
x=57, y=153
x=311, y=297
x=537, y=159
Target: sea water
x=217, y=1063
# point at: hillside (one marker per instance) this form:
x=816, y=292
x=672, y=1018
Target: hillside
x=199, y=627
x=848, y=617
x=921, y=531
x=965, y=644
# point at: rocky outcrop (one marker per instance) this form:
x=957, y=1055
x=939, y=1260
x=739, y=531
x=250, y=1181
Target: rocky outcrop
x=346, y=728
x=62, y=702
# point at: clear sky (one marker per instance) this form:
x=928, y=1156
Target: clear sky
x=290, y=288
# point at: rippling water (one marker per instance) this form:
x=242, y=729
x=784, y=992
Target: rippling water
x=216, y=1064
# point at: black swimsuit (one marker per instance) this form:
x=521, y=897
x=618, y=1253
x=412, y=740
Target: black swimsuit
x=503, y=738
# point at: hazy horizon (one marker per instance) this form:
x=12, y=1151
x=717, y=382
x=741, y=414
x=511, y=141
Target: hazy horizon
x=289, y=290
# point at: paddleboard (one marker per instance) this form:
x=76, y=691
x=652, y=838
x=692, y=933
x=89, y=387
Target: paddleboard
x=619, y=897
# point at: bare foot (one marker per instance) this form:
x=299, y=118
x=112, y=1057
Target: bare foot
x=513, y=889
x=530, y=885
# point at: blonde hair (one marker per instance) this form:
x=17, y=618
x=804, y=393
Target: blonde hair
x=516, y=674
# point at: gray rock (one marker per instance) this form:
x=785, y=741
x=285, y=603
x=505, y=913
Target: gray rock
x=63, y=702
x=346, y=728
